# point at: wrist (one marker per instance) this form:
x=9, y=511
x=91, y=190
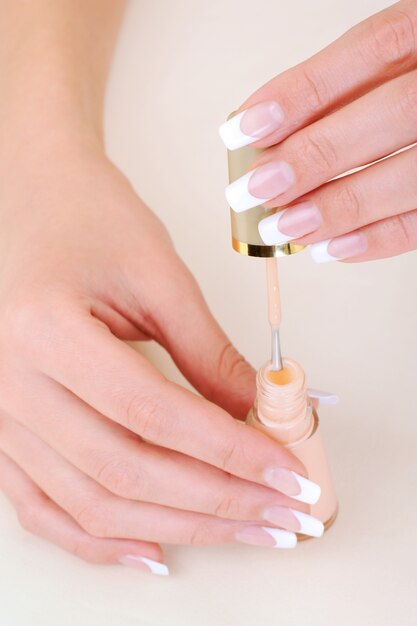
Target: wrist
x=51, y=78
x=43, y=103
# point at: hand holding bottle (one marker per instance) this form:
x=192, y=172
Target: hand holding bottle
x=350, y=105
x=99, y=452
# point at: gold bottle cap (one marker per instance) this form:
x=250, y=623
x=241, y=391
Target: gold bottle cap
x=245, y=235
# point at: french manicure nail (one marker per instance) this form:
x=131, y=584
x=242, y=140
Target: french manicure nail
x=143, y=563
x=294, y=520
x=324, y=397
x=259, y=185
x=251, y=124
x=294, y=222
x=264, y=536
x=293, y=485
x=344, y=247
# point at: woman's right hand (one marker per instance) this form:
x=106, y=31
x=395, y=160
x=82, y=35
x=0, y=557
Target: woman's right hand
x=100, y=453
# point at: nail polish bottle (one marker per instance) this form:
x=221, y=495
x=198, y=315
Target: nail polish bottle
x=283, y=411
x=245, y=235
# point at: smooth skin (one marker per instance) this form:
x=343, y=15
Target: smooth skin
x=352, y=104
x=99, y=452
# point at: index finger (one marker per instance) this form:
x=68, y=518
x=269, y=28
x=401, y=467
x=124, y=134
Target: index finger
x=369, y=54
x=122, y=385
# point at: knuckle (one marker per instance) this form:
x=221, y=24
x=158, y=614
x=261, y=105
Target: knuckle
x=315, y=93
x=94, y=518
x=231, y=454
x=30, y=318
x=145, y=416
x=30, y=518
x=348, y=204
x=231, y=364
x=393, y=37
x=315, y=153
x=199, y=534
x=22, y=317
x=412, y=187
x=122, y=477
x=407, y=98
x=401, y=233
x=84, y=549
x=228, y=506
x=310, y=94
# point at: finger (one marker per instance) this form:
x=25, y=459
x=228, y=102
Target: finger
x=389, y=237
x=114, y=379
x=197, y=344
x=376, y=50
x=131, y=468
x=102, y=514
x=40, y=516
x=332, y=146
x=347, y=203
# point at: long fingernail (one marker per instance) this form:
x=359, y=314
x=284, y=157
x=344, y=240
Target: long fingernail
x=294, y=520
x=259, y=185
x=263, y=536
x=324, y=397
x=292, y=484
x=145, y=564
x=296, y=221
x=254, y=123
x=339, y=248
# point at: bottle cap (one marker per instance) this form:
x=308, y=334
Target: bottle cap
x=245, y=235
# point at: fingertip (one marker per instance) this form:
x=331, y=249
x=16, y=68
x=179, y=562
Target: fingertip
x=143, y=563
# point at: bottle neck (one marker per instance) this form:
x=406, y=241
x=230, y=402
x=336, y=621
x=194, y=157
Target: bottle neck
x=282, y=405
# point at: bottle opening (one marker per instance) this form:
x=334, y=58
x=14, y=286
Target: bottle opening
x=280, y=377
x=282, y=401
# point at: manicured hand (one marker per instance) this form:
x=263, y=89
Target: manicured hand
x=351, y=105
x=101, y=453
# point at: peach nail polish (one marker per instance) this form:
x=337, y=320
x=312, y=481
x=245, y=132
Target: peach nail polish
x=283, y=411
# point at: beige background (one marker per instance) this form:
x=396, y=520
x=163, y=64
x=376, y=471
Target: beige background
x=181, y=66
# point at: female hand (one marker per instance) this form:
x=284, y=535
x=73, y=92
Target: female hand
x=352, y=104
x=116, y=451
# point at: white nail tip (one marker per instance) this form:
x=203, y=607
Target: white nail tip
x=319, y=252
x=269, y=230
x=310, y=492
x=309, y=525
x=232, y=135
x=283, y=538
x=324, y=397
x=239, y=197
x=155, y=566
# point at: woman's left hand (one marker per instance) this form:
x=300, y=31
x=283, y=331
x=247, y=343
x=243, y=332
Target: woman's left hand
x=350, y=105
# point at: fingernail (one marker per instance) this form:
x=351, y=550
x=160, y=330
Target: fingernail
x=296, y=221
x=339, y=248
x=263, y=536
x=252, y=124
x=145, y=564
x=292, y=484
x=294, y=520
x=324, y=397
x=259, y=185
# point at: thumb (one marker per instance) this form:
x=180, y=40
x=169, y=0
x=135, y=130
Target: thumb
x=200, y=348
